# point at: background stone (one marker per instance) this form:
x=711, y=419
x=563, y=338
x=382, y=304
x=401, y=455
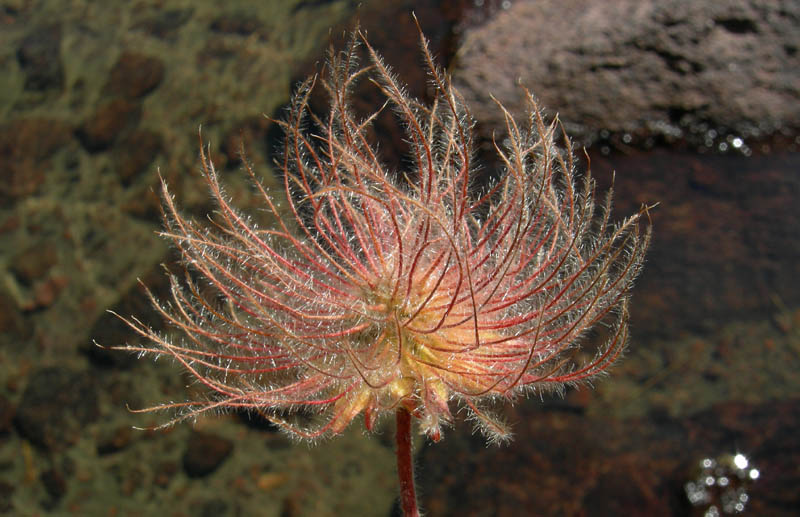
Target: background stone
x=673, y=68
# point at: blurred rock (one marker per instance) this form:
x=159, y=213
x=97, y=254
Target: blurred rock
x=164, y=473
x=39, y=56
x=241, y=24
x=6, y=495
x=723, y=235
x=6, y=415
x=671, y=68
x=100, y=131
x=133, y=154
x=165, y=22
x=205, y=453
x=12, y=323
x=56, y=406
x=34, y=263
x=134, y=75
x=54, y=483
x=26, y=149
x=561, y=463
x=215, y=507
x=115, y=441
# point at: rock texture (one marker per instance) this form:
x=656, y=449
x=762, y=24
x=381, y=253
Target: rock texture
x=676, y=69
x=611, y=467
x=56, y=406
x=27, y=147
x=39, y=57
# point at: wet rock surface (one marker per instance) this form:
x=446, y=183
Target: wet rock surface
x=718, y=226
x=12, y=322
x=135, y=153
x=6, y=416
x=27, y=147
x=631, y=71
x=56, y=406
x=34, y=263
x=110, y=120
x=611, y=467
x=39, y=55
x=165, y=22
x=134, y=75
x=205, y=452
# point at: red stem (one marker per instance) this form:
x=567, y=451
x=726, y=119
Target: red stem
x=405, y=467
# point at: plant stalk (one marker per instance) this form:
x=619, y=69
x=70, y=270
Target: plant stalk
x=405, y=464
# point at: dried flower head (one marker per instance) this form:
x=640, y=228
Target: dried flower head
x=376, y=291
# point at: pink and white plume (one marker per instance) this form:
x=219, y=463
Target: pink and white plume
x=376, y=290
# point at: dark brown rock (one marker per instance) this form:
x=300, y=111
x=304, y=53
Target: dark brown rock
x=723, y=235
x=39, y=56
x=34, y=263
x=164, y=473
x=100, y=131
x=135, y=153
x=214, y=507
x=6, y=495
x=165, y=22
x=134, y=75
x=205, y=453
x=26, y=149
x=12, y=323
x=241, y=24
x=115, y=441
x=47, y=291
x=56, y=406
x=670, y=68
x=54, y=483
x=6, y=415
x=562, y=463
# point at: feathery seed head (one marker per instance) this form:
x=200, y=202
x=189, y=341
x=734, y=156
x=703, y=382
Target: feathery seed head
x=374, y=292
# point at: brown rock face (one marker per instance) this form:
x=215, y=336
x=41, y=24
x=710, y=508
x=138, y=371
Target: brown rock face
x=670, y=68
x=26, y=149
x=110, y=120
x=205, y=453
x=134, y=75
x=39, y=57
x=55, y=407
x=563, y=464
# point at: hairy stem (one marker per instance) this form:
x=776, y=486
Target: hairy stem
x=405, y=467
